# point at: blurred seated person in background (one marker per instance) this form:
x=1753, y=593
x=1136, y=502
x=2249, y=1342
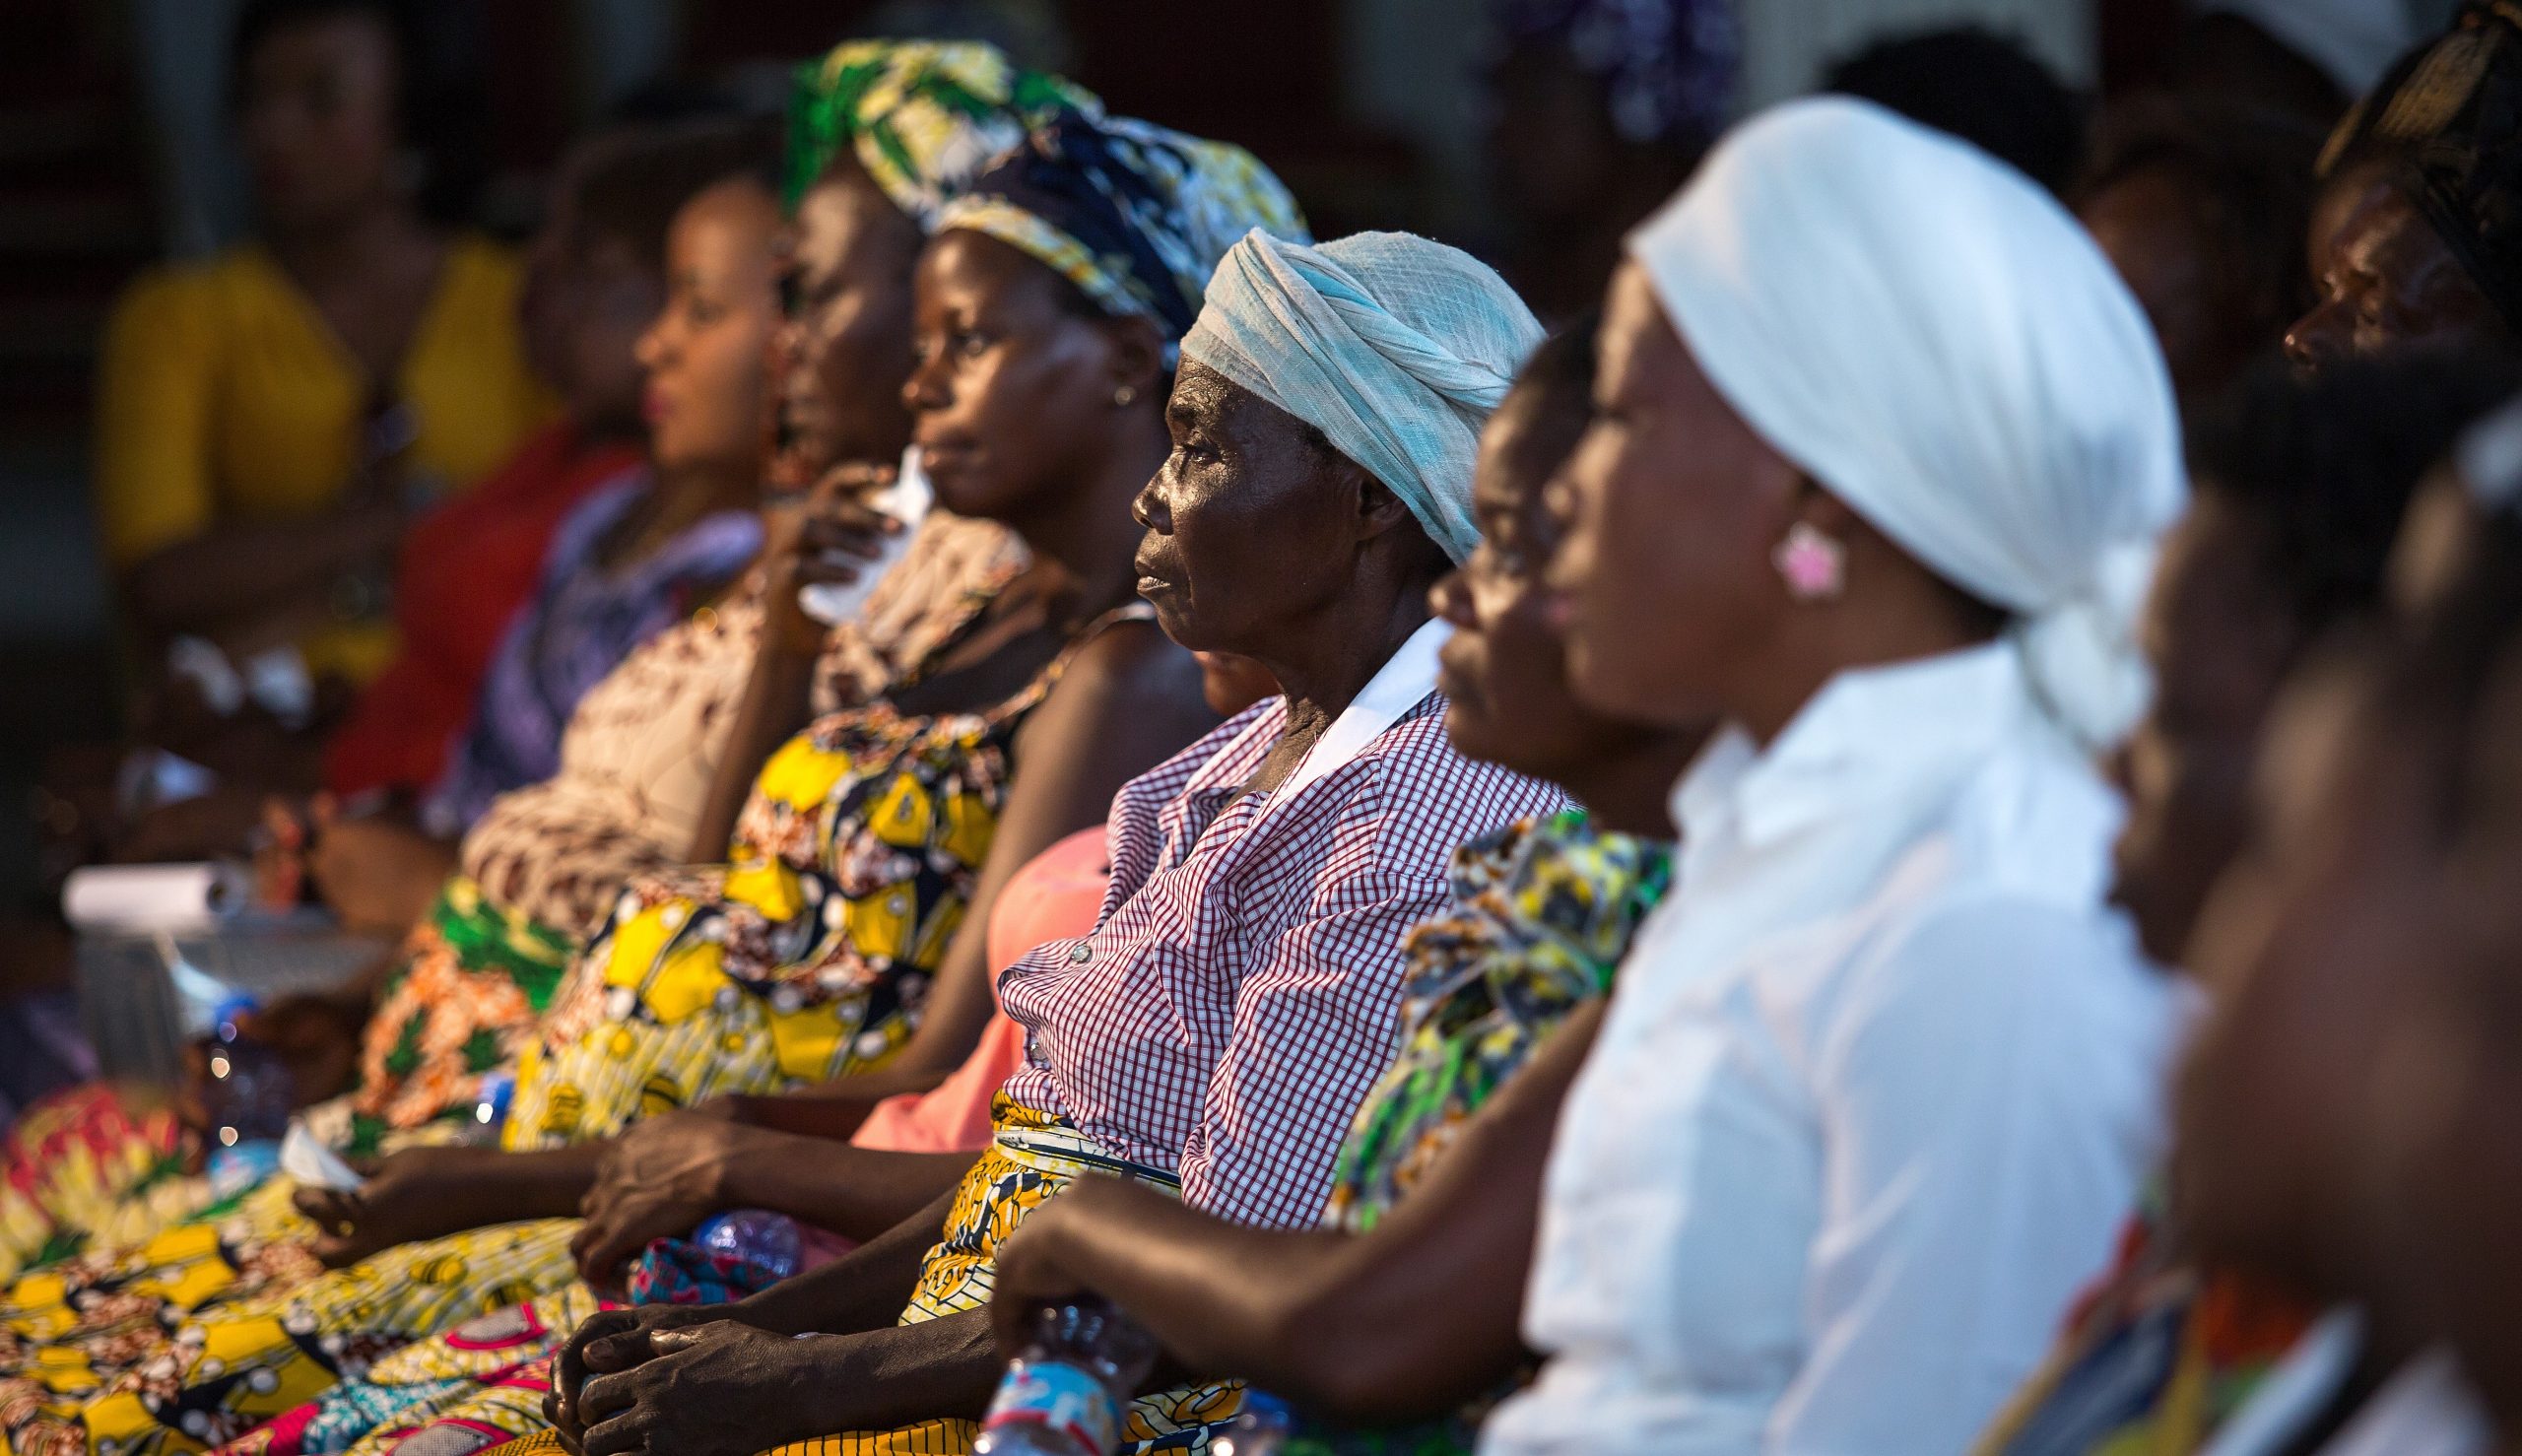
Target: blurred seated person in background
x=639, y=555
x=1597, y=111
x=2416, y=238
x=2331, y=1130
x=2300, y=489
x=1971, y=83
x=2203, y=207
x=1404, y=1300
x=544, y=866
x=850, y=913
x=270, y=422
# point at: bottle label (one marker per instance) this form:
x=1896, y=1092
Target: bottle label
x=241, y=1168
x=1059, y=1396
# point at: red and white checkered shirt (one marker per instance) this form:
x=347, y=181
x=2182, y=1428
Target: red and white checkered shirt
x=1242, y=988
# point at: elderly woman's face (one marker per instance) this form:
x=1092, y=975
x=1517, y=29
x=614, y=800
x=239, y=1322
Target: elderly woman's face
x=1011, y=396
x=1674, y=506
x=2303, y=948
x=846, y=347
x=2384, y=278
x=1250, y=523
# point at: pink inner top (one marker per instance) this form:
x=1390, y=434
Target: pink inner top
x=1055, y=897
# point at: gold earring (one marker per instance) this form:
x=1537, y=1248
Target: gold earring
x=1125, y=396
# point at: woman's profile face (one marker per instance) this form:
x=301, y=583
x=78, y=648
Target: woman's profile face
x=317, y=113
x=1505, y=667
x=1674, y=509
x=2383, y=279
x=2217, y=635
x=846, y=347
x=704, y=352
x=1012, y=395
x=1251, y=523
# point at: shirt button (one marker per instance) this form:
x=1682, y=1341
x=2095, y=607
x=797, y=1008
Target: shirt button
x=1083, y=954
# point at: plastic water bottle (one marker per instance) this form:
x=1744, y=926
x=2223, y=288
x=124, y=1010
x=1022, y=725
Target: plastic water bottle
x=759, y=1236
x=1260, y=1428
x=906, y=501
x=249, y=1097
x=1066, y=1395
x=490, y=1110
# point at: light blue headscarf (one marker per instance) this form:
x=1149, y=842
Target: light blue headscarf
x=1396, y=347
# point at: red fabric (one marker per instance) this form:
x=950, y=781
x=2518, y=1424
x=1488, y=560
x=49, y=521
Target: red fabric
x=463, y=571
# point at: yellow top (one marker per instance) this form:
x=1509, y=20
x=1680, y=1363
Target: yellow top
x=224, y=395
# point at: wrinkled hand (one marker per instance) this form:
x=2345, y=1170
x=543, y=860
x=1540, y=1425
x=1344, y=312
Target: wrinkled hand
x=414, y=1193
x=716, y=1389
x=809, y=545
x=658, y=1179
x=606, y=1342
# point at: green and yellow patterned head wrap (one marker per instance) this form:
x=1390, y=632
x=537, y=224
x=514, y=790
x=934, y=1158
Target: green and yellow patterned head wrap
x=923, y=117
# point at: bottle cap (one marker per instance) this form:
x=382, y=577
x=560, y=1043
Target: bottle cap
x=230, y=1008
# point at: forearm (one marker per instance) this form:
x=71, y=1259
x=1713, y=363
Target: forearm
x=549, y=1183
x=236, y=571
x=866, y=1289
x=852, y=1191
x=905, y=1374
x=774, y=705
x=835, y=1109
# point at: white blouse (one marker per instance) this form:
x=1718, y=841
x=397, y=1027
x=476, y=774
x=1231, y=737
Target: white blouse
x=1875, y=1091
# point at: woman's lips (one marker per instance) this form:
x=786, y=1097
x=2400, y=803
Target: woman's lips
x=654, y=407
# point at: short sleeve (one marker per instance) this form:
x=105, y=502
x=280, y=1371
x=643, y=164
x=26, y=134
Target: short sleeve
x=154, y=395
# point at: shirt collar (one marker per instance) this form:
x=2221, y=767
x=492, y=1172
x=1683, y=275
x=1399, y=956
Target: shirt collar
x=1397, y=687
x=1868, y=733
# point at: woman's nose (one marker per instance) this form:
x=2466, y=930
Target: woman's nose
x=1148, y=509
x=2319, y=337
x=1450, y=599
x=923, y=392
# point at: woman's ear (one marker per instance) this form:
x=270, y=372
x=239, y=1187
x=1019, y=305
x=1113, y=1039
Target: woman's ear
x=1378, y=509
x=1139, y=363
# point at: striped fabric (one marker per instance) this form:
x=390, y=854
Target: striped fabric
x=1242, y=989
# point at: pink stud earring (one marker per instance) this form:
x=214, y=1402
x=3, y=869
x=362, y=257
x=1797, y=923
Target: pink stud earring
x=1815, y=567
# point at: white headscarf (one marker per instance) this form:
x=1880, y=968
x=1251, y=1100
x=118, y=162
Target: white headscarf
x=1396, y=347
x=1935, y=342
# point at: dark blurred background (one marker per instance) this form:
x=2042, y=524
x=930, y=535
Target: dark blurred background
x=115, y=151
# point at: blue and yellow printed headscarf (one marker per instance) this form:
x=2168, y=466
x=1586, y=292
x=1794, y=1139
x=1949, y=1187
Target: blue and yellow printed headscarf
x=1135, y=214
x=923, y=117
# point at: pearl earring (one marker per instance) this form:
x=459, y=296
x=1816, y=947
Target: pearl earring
x=1815, y=567
x=1125, y=396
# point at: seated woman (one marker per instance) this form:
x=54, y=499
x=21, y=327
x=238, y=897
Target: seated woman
x=2329, y=1109
x=1370, y=1316
x=2440, y=1148
x=484, y=1380
x=1324, y=427
x=2299, y=491
x=1878, y=433
x=2411, y=239
x=630, y=560
x=268, y=420
x=875, y=835
x=541, y=870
